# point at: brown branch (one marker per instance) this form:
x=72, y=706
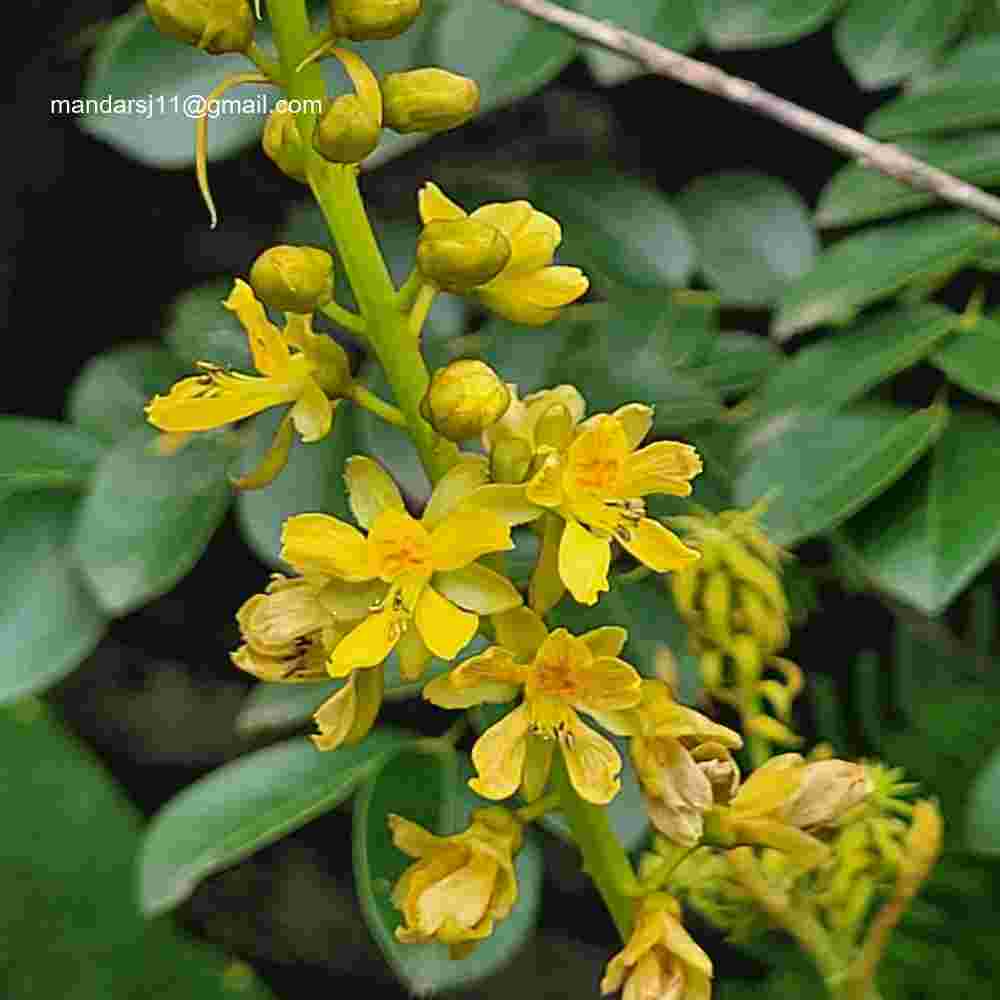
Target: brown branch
x=886, y=158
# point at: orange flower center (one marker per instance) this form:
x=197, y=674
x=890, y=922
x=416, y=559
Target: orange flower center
x=399, y=545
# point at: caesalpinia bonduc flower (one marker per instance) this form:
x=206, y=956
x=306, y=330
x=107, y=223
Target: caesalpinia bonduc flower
x=288, y=635
x=529, y=289
x=296, y=366
x=786, y=801
x=683, y=762
x=419, y=572
x=461, y=885
x=595, y=482
x=560, y=675
x=660, y=961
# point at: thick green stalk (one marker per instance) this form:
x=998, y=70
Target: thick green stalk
x=604, y=858
x=336, y=190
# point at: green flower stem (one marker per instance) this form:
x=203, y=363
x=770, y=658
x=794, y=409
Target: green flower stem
x=365, y=397
x=335, y=187
x=604, y=858
x=263, y=62
x=345, y=318
x=538, y=808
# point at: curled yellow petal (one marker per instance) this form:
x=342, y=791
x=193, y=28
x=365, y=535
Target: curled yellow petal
x=274, y=460
x=270, y=352
x=370, y=490
x=656, y=546
x=434, y=204
x=592, y=763
x=498, y=756
x=312, y=413
x=368, y=644
x=663, y=467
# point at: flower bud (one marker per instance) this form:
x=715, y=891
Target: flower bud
x=293, y=279
x=214, y=26
x=510, y=460
x=463, y=399
x=428, y=100
x=283, y=144
x=346, y=132
x=828, y=790
x=458, y=255
x=461, y=885
x=365, y=20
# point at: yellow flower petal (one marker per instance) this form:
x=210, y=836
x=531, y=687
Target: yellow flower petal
x=534, y=299
x=443, y=693
x=521, y=632
x=368, y=644
x=350, y=602
x=212, y=400
x=319, y=543
x=592, y=763
x=606, y=684
x=411, y=838
x=663, y=467
x=462, y=897
x=476, y=588
x=370, y=490
x=636, y=420
x=505, y=501
x=584, y=560
x=444, y=628
x=609, y=640
x=465, y=535
x=510, y=217
x=545, y=487
x=468, y=473
x=436, y=205
x=655, y=546
x=537, y=767
x=312, y=414
x=498, y=756
x=270, y=352
x=335, y=717
x=678, y=942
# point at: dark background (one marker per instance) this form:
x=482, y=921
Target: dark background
x=96, y=248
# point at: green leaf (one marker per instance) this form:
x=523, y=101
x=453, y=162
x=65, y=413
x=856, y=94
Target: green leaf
x=201, y=329
x=926, y=539
x=962, y=94
x=830, y=464
x=149, y=516
x=875, y=264
x=884, y=41
x=858, y=194
x=754, y=24
x=844, y=367
x=44, y=454
x=68, y=919
x=673, y=24
x=506, y=52
x=753, y=234
x=627, y=353
x=152, y=77
x=971, y=358
x=982, y=825
x=109, y=396
x=429, y=789
x=736, y=363
x=246, y=805
x=312, y=482
x=49, y=622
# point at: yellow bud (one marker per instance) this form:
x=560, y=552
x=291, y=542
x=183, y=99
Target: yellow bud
x=365, y=20
x=717, y=599
x=293, y=279
x=767, y=625
x=510, y=460
x=346, y=132
x=463, y=399
x=711, y=664
x=283, y=144
x=458, y=255
x=214, y=26
x=428, y=100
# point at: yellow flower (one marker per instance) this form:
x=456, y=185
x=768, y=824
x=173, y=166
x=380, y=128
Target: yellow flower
x=596, y=486
x=461, y=885
x=218, y=397
x=420, y=571
x=560, y=674
x=786, y=801
x=530, y=289
x=681, y=758
x=660, y=961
